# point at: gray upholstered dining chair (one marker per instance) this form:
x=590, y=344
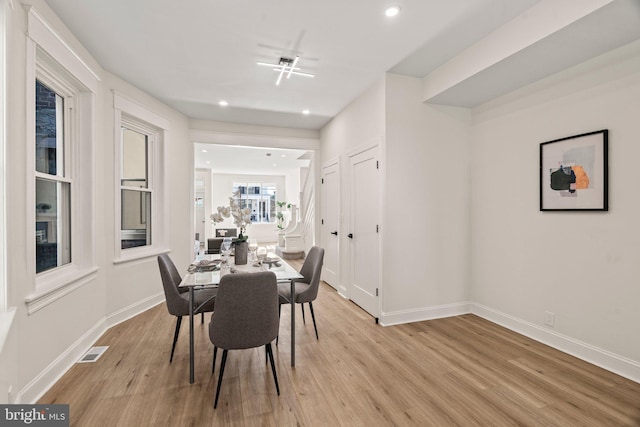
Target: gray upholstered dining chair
x=246, y=316
x=178, y=300
x=307, y=288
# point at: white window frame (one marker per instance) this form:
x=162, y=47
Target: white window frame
x=138, y=117
x=52, y=61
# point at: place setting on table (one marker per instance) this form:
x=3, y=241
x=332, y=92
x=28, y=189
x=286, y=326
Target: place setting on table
x=206, y=271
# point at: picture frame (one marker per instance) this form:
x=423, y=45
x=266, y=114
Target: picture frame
x=574, y=173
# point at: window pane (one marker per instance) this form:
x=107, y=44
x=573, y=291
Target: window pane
x=53, y=224
x=49, y=131
x=134, y=159
x=136, y=218
x=269, y=200
x=260, y=198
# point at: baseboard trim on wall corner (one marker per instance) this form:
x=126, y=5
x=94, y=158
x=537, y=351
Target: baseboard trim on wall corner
x=605, y=359
x=424, y=313
x=39, y=385
x=134, y=309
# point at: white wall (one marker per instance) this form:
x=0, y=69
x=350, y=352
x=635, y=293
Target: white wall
x=425, y=224
x=133, y=282
x=43, y=337
x=50, y=340
x=461, y=205
x=426, y=203
x=582, y=266
x=361, y=122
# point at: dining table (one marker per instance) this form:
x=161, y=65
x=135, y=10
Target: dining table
x=206, y=271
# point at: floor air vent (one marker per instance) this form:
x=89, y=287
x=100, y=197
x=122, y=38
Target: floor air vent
x=93, y=354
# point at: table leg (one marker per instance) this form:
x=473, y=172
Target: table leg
x=191, y=298
x=293, y=323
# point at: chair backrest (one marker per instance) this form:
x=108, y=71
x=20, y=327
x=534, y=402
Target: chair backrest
x=311, y=270
x=170, y=281
x=213, y=245
x=246, y=313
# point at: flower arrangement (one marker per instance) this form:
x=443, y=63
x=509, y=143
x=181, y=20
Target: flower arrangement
x=241, y=217
x=280, y=215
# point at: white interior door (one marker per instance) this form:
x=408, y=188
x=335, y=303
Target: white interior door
x=363, y=234
x=330, y=225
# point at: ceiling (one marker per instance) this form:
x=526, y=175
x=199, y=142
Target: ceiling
x=195, y=53
x=227, y=159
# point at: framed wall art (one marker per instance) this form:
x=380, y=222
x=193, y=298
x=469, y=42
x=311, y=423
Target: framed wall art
x=574, y=173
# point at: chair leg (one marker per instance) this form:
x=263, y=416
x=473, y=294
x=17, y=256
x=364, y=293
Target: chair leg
x=202, y=317
x=224, y=361
x=303, y=319
x=314, y=319
x=273, y=367
x=279, y=310
x=175, y=336
x=215, y=354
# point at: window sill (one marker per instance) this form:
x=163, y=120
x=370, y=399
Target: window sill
x=53, y=286
x=6, y=320
x=130, y=255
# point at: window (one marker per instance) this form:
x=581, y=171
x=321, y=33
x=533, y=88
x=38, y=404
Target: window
x=53, y=185
x=260, y=198
x=60, y=139
x=136, y=191
x=141, y=135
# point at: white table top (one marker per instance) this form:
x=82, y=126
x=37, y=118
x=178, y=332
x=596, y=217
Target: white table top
x=284, y=272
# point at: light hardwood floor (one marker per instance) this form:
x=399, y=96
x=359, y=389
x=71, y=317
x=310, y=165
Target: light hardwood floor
x=460, y=371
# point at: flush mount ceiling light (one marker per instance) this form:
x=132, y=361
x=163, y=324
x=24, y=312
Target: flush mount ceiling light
x=223, y=103
x=392, y=11
x=286, y=67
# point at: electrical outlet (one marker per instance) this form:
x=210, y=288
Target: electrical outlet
x=549, y=318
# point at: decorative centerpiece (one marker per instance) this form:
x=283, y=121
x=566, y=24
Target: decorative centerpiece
x=241, y=218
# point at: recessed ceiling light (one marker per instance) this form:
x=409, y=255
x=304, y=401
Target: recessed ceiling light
x=223, y=103
x=208, y=162
x=204, y=151
x=283, y=155
x=306, y=112
x=275, y=164
x=392, y=11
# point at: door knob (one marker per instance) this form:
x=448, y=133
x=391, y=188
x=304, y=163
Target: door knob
x=350, y=235
x=335, y=233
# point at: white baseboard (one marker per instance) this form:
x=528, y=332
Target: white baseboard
x=56, y=369
x=134, y=309
x=31, y=392
x=425, y=313
x=605, y=359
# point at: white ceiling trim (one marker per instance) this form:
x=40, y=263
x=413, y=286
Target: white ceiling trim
x=45, y=36
x=252, y=140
